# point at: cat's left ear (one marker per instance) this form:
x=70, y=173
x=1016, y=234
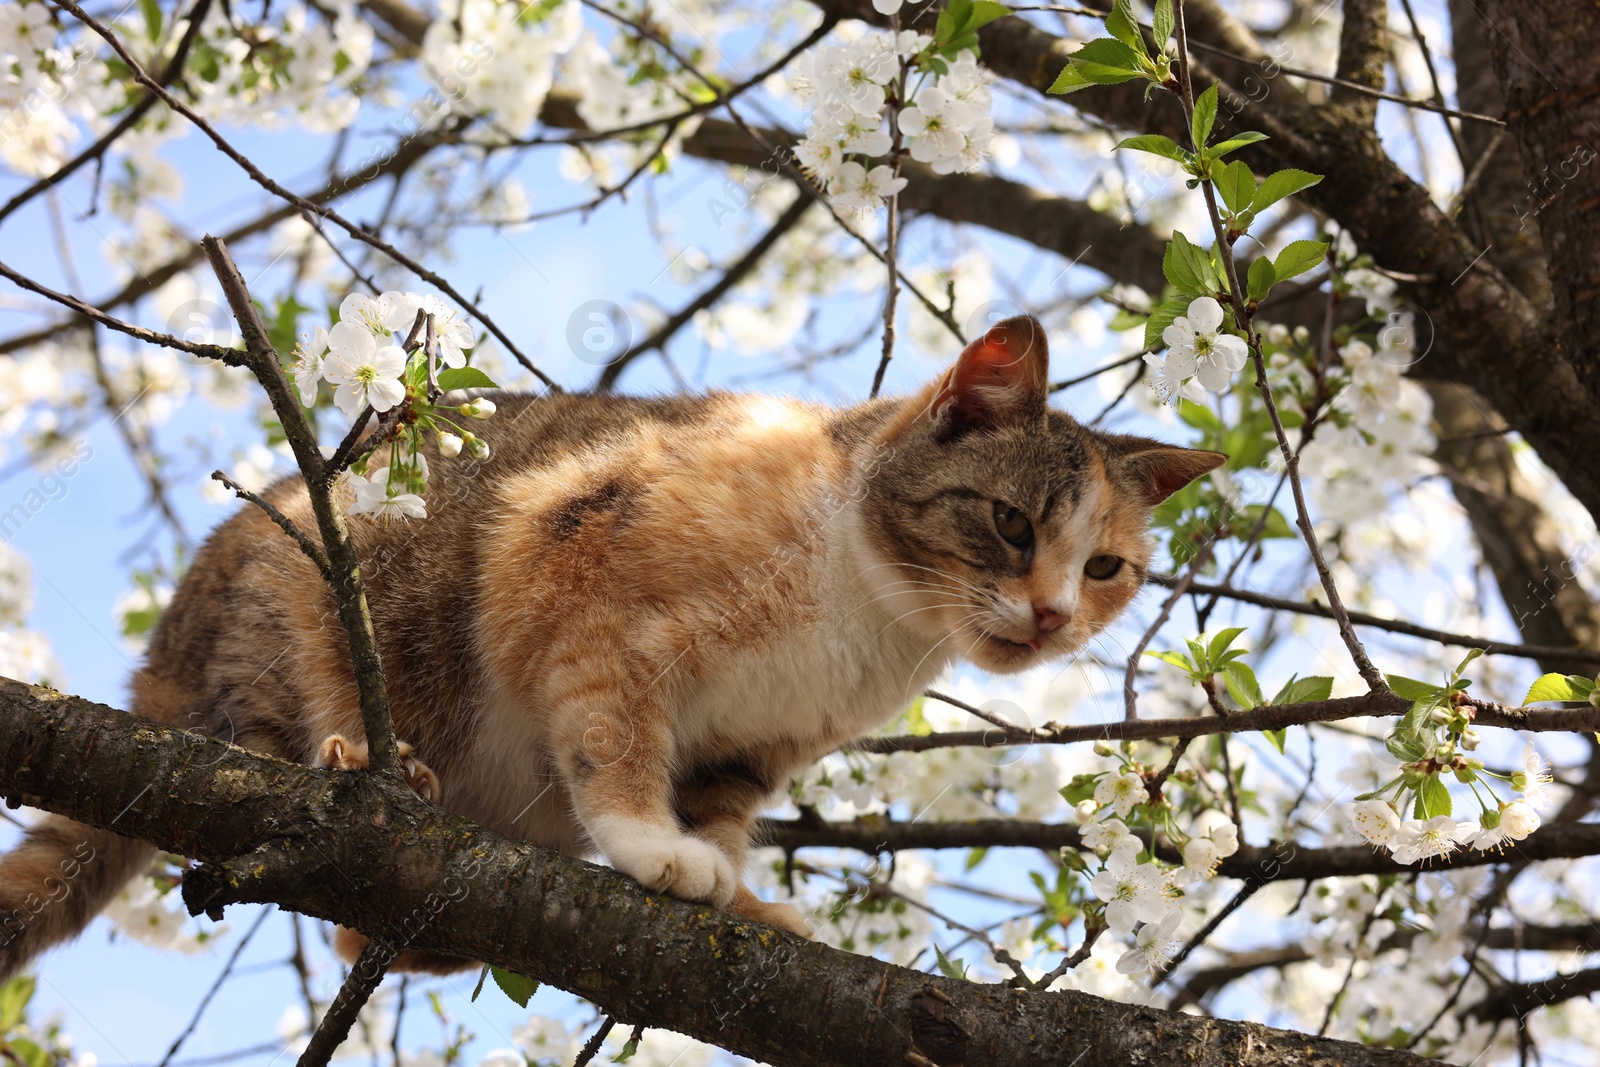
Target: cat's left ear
x=1001, y=377
x=1159, y=470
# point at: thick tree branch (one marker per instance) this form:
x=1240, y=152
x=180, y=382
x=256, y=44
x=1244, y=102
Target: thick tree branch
x=366, y=852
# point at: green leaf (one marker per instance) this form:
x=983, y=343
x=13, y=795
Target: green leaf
x=629, y=1050
x=151, y=10
x=1298, y=257
x=1177, y=659
x=14, y=997
x=983, y=13
x=1300, y=690
x=975, y=857
x=956, y=968
x=1237, y=186
x=1277, y=737
x=1242, y=685
x=1124, y=27
x=1155, y=144
x=1233, y=144
x=1559, y=687
x=1466, y=661
x=1068, y=81
x=1219, y=644
x=1205, y=117
x=1163, y=23
x=1403, y=748
x=1107, y=52
x=1178, y=268
x=479, y=987
x=1162, y=317
x=1275, y=526
x=1263, y=276
x=1201, y=417
x=1411, y=689
x=20, y=1049
x=1281, y=184
x=1433, y=798
x=1104, y=61
x=519, y=987
x=465, y=378
x=1195, y=262
x=1081, y=788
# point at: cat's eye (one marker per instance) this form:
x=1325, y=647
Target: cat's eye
x=1012, y=525
x=1103, y=567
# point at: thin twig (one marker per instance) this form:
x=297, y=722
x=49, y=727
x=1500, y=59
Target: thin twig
x=1242, y=316
x=205, y=1001
x=363, y=980
x=1490, y=647
x=307, y=545
x=591, y=1048
x=892, y=240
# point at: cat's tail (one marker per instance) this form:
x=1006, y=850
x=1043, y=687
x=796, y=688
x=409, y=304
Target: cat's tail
x=64, y=873
x=55, y=882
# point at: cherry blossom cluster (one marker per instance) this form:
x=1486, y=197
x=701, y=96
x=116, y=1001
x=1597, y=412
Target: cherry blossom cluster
x=364, y=355
x=1139, y=893
x=943, y=115
x=1420, y=839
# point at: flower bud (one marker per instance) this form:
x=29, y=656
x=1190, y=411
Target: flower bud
x=1438, y=716
x=480, y=408
x=1470, y=740
x=477, y=448
x=449, y=445
x=1301, y=335
x=1102, y=748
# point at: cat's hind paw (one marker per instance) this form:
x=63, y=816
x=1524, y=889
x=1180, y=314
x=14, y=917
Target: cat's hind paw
x=344, y=755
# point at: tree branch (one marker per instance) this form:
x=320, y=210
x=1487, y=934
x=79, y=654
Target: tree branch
x=322, y=842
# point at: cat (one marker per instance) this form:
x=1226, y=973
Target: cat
x=632, y=625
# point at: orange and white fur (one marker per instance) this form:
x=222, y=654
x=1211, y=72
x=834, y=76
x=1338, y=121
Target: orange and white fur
x=627, y=630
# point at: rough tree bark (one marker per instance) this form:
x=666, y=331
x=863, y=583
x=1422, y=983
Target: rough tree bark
x=359, y=850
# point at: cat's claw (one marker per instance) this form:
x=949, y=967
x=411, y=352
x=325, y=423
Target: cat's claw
x=344, y=755
x=682, y=866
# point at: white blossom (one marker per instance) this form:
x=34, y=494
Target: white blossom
x=1437, y=837
x=364, y=372
x=1197, y=347
x=1375, y=820
x=1121, y=792
x=1133, y=892
x=1152, y=947
x=1534, y=780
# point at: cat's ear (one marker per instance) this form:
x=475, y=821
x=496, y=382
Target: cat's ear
x=1158, y=470
x=1001, y=377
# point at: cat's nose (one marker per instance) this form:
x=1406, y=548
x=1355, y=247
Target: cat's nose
x=1048, y=619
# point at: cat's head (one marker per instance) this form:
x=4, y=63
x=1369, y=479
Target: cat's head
x=1001, y=527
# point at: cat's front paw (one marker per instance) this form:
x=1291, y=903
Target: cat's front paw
x=344, y=755
x=682, y=866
